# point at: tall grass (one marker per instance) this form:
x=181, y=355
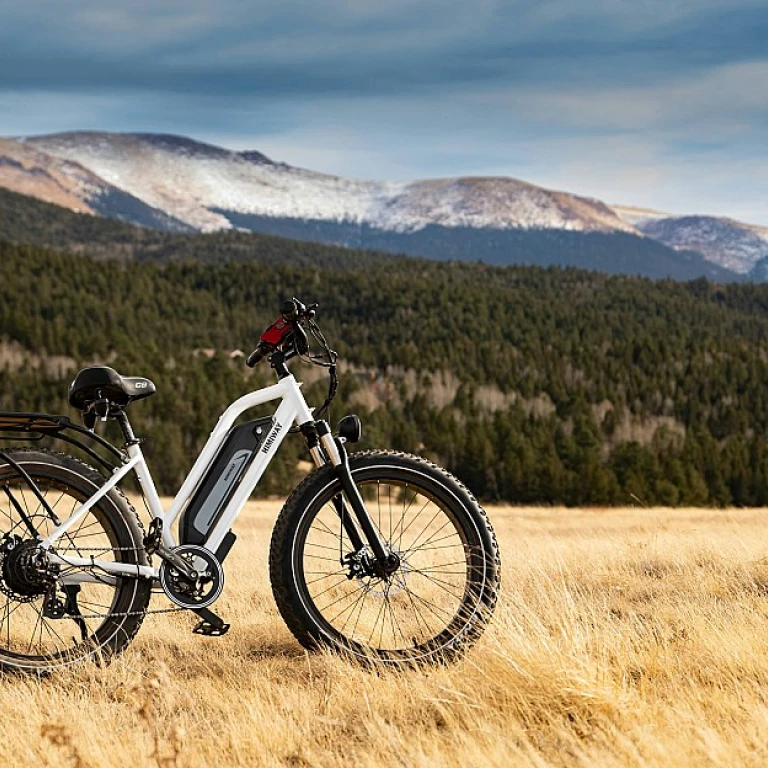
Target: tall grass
x=628, y=637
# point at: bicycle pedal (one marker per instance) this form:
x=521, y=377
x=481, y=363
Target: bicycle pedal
x=204, y=627
x=210, y=625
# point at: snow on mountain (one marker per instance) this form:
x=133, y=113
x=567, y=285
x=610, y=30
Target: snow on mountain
x=179, y=184
x=62, y=181
x=731, y=244
x=728, y=243
x=198, y=184
x=28, y=171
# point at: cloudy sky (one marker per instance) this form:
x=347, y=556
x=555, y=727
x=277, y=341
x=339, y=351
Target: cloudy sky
x=658, y=103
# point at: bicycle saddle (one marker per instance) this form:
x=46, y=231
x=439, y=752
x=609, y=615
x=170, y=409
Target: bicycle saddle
x=100, y=382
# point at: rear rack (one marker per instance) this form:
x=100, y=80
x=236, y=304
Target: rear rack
x=38, y=426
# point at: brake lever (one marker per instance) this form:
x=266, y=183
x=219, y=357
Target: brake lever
x=300, y=340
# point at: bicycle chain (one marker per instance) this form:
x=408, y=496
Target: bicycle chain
x=131, y=613
x=98, y=549
x=121, y=613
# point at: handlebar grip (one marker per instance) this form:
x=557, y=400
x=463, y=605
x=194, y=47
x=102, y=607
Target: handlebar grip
x=258, y=355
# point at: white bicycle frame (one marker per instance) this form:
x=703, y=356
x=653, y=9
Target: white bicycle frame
x=293, y=409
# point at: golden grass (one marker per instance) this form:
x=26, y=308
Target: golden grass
x=624, y=638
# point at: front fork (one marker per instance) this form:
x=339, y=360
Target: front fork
x=359, y=526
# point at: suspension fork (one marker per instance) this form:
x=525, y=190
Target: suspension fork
x=359, y=526
x=312, y=434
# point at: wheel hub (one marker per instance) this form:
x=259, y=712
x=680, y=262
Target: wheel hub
x=25, y=575
x=387, y=577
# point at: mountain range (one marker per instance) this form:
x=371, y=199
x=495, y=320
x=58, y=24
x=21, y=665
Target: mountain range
x=180, y=185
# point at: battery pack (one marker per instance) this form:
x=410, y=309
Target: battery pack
x=220, y=482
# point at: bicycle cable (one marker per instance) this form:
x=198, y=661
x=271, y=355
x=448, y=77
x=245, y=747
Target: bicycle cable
x=327, y=360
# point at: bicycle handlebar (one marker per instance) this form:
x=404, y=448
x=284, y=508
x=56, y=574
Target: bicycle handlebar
x=286, y=330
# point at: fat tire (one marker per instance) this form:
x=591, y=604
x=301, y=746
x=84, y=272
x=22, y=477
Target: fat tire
x=308, y=630
x=116, y=632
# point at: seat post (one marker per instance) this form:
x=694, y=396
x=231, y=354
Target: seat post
x=125, y=427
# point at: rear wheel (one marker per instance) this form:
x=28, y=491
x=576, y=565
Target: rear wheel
x=54, y=619
x=431, y=608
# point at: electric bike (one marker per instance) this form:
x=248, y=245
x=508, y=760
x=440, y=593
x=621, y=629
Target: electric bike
x=378, y=554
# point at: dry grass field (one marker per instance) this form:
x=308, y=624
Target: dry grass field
x=630, y=637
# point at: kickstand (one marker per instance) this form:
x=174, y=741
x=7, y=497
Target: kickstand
x=71, y=608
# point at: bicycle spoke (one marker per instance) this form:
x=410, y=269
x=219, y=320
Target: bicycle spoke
x=343, y=597
x=352, y=612
x=28, y=636
x=413, y=548
x=344, y=610
x=413, y=520
x=439, y=583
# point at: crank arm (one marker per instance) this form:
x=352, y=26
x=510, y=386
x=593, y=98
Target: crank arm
x=153, y=544
x=178, y=562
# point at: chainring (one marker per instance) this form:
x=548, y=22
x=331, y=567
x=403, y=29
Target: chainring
x=206, y=588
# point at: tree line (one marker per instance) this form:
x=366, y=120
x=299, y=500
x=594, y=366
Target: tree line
x=653, y=391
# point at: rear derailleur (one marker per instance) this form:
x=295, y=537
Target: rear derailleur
x=26, y=574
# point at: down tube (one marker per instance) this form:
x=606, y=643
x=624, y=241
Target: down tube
x=215, y=440
x=283, y=421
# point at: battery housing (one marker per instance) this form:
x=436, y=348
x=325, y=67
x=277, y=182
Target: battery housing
x=221, y=480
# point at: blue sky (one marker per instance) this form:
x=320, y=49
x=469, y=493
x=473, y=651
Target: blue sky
x=654, y=103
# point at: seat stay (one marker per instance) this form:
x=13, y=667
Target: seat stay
x=86, y=506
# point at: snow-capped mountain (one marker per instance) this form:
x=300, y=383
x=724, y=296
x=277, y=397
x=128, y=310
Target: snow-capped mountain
x=730, y=244
x=64, y=182
x=178, y=184
x=726, y=242
x=200, y=184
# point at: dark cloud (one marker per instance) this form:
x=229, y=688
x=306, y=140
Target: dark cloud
x=560, y=91
x=281, y=53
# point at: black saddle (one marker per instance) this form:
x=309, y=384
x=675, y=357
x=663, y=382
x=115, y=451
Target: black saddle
x=102, y=383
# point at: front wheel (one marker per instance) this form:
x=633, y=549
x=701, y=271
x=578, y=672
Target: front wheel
x=432, y=608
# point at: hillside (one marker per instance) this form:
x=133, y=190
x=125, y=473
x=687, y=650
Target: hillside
x=532, y=385
x=24, y=219
x=731, y=244
x=200, y=184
